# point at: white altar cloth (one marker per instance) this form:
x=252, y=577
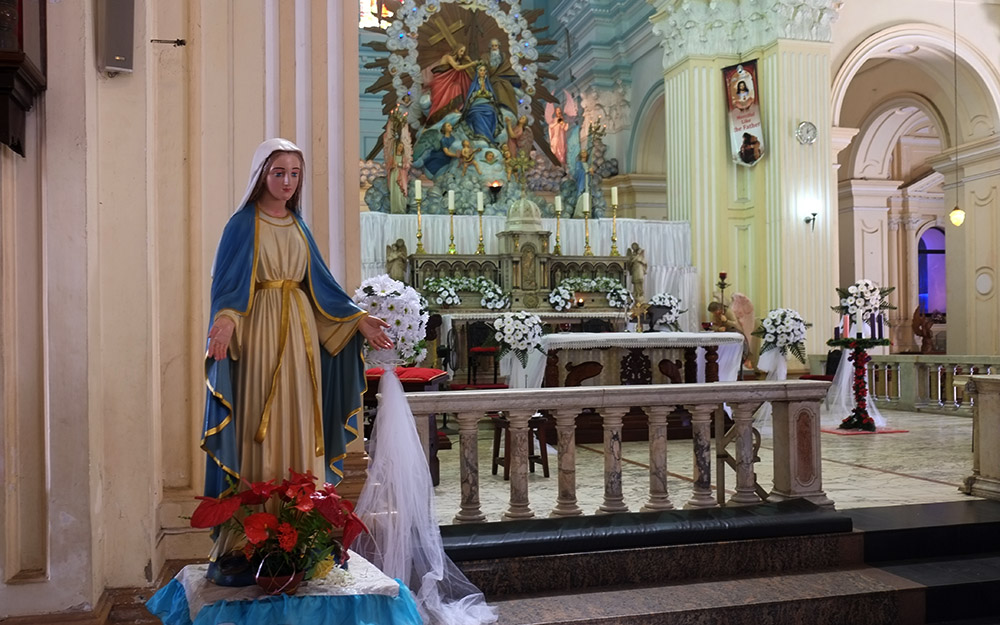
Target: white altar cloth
x=730, y=346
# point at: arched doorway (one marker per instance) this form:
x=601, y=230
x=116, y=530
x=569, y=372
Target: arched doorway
x=932, y=277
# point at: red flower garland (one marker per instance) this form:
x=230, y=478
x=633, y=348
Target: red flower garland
x=859, y=419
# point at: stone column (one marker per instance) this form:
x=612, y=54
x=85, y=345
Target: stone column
x=746, y=480
x=518, y=507
x=701, y=438
x=749, y=221
x=985, y=478
x=468, y=448
x=658, y=496
x=973, y=307
x=797, y=457
x=614, y=501
x=566, y=433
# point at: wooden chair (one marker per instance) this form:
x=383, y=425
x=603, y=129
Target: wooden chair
x=536, y=427
x=478, y=335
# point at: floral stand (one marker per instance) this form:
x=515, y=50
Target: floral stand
x=860, y=417
x=362, y=595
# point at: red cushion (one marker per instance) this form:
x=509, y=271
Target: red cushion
x=409, y=374
x=483, y=350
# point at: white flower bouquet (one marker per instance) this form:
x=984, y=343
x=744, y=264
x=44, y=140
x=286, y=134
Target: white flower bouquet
x=618, y=296
x=446, y=290
x=783, y=329
x=863, y=296
x=668, y=307
x=518, y=332
x=404, y=310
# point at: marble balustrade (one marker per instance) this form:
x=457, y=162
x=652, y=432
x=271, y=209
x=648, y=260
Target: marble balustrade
x=796, y=429
x=922, y=382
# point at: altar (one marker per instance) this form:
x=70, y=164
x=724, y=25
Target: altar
x=612, y=358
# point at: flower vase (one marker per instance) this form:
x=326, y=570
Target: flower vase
x=280, y=584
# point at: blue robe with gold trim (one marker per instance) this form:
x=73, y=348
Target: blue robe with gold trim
x=342, y=376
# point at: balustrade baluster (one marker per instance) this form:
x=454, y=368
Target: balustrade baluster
x=566, y=504
x=940, y=385
x=658, y=497
x=614, y=501
x=518, y=507
x=745, y=478
x=468, y=447
x=701, y=439
x=956, y=370
x=899, y=382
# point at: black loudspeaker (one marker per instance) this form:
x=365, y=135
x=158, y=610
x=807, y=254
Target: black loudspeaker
x=115, y=35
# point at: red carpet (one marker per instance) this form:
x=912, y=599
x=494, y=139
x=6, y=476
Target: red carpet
x=840, y=432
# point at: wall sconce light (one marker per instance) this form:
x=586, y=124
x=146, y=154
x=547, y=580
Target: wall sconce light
x=957, y=216
x=811, y=220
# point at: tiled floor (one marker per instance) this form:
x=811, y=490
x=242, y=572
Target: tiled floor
x=923, y=465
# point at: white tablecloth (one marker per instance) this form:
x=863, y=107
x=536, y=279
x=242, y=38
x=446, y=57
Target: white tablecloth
x=730, y=346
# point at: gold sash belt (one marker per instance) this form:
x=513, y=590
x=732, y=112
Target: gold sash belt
x=287, y=286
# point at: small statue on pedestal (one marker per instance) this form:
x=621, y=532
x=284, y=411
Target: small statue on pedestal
x=635, y=262
x=395, y=260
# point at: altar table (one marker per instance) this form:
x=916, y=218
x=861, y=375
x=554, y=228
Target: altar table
x=724, y=350
x=368, y=597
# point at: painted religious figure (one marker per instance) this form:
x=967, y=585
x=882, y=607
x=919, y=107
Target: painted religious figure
x=743, y=103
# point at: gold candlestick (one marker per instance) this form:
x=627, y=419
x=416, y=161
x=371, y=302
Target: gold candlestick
x=420, y=234
x=586, y=234
x=558, y=248
x=451, y=228
x=482, y=248
x=614, y=230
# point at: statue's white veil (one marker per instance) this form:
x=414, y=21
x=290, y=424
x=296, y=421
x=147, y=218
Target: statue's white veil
x=260, y=156
x=397, y=504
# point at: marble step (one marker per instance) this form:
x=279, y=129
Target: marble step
x=850, y=595
x=963, y=587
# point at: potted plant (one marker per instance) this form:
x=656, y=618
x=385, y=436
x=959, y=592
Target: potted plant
x=290, y=532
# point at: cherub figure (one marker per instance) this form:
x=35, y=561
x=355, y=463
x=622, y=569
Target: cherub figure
x=469, y=157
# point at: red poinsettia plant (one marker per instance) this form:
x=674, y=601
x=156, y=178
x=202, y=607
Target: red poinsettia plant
x=289, y=527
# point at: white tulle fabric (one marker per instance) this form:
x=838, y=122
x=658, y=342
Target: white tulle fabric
x=774, y=363
x=397, y=505
x=840, y=397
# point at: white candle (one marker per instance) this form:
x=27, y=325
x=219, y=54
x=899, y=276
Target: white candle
x=614, y=196
x=860, y=324
x=417, y=192
x=558, y=204
x=451, y=201
x=479, y=201
x=586, y=203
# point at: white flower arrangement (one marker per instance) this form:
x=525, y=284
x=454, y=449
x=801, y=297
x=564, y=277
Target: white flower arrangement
x=561, y=297
x=863, y=296
x=446, y=290
x=785, y=330
x=672, y=311
x=404, y=310
x=518, y=332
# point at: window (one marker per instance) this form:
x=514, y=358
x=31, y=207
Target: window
x=931, y=270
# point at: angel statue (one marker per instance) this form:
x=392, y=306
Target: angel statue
x=635, y=262
x=398, y=156
x=395, y=260
x=557, y=131
x=436, y=150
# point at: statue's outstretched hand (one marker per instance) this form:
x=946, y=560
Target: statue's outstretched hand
x=373, y=329
x=219, y=337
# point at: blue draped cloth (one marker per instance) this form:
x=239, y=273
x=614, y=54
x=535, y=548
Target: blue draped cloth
x=342, y=376
x=170, y=604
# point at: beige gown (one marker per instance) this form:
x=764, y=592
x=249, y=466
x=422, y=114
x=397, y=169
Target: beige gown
x=276, y=354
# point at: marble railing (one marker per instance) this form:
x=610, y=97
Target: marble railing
x=924, y=382
x=796, y=425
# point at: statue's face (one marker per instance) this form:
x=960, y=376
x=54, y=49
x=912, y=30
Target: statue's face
x=460, y=51
x=283, y=176
x=481, y=71
x=494, y=45
x=523, y=120
x=447, y=128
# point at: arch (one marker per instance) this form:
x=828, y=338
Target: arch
x=933, y=48
x=888, y=122
x=649, y=131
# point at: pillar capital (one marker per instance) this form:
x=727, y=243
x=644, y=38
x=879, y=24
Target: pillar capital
x=729, y=27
